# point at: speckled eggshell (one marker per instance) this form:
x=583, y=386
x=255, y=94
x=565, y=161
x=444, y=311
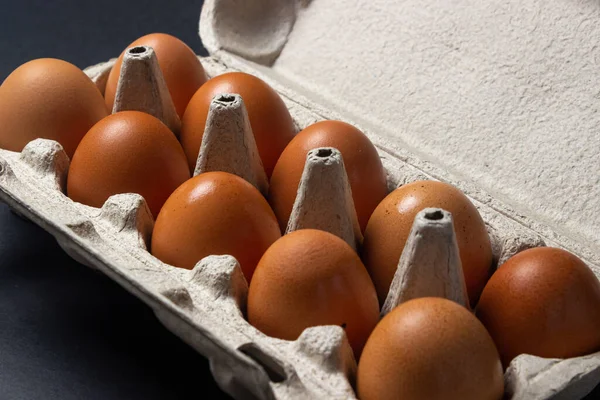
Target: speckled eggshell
x=309, y=278
x=179, y=64
x=430, y=348
x=127, y=152
x=51, y=99
x=270, y=119
x=363, y=166
x=391, y=223
x=214, y=213
x=545, y=302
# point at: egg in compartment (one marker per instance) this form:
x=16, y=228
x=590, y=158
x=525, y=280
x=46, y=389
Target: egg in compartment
x=127, y=152
x=543, y=301
x=430, y=348
x=51, y=99
x=309, y=278
x=214, y=213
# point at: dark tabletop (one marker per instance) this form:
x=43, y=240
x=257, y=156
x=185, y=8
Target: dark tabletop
x=68, y=332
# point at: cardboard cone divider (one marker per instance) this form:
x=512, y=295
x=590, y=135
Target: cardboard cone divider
x=142, y=87
x=228, y=143
x=430, y=263
x=324, y=198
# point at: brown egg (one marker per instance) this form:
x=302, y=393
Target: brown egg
x=391, y=223
x=430, y=348
x=271, y=122
x=363, y=166
x=179, y=64
x=214, y=213
x=127, y=152
x=50, y=99
x=545, y=302
x=310, y=278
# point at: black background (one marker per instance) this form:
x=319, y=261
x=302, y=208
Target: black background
x=68, y=332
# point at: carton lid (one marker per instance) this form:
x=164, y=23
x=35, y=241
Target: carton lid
x=502, y=93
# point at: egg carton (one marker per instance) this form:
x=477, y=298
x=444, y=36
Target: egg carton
x=205, y=306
